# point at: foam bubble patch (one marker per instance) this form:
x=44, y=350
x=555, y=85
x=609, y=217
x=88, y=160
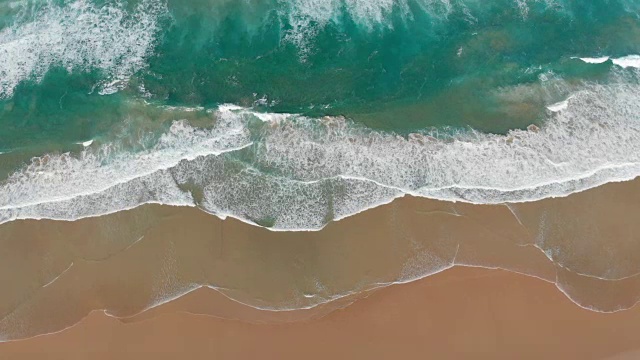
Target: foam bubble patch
x=113, y=176
x=300, y=173
x=632, y=61
x=79, y=36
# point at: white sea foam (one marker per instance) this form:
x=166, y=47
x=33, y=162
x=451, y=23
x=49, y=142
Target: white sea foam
x=307, y=17
x=299, y=173
x=598, y=60
x=110, y=178
x=559, y=106
x=78, y=36
x=273, y=118
x=524, y=6
x=304, y=14
x=629, y=61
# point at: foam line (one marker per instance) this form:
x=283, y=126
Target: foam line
x=597, y=60
x=629, y=61
x=632, y=61
x=294, y=173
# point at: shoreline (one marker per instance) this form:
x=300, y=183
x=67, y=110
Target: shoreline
x=286, y=316
x=466, y=312
x=225, y=216
x=227, y=168
x=129, y=261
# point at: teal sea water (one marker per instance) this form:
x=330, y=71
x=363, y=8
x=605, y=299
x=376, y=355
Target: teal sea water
x=293, y=113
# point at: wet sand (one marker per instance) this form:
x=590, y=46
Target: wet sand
x=586, y=245
x=460, y=313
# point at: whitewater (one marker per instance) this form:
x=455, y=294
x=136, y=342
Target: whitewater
x=289, y=171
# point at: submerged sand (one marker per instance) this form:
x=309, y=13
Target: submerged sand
x=54, y=273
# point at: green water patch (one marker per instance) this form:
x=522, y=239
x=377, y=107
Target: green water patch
x=484, y=65
x=62, y=108
x=347, y=68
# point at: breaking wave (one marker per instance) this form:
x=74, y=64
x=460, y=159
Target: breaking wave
x=290, y=172
x=117, y=38
x=630, y=61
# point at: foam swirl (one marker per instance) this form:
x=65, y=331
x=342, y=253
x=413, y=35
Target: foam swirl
x=79, y=36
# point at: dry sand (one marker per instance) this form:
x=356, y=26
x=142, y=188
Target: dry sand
x=460, y=313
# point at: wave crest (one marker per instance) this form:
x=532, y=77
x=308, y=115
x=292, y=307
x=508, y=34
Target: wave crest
x=292, y=172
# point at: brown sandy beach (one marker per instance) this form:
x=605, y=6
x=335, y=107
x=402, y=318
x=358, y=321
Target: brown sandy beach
x=460, y=313
x=54, y=273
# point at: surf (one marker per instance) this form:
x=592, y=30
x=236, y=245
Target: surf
x=377, y=103
x=293, y=172
x=78, y=36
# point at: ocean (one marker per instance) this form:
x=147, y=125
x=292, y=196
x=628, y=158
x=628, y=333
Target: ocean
x=291, y=114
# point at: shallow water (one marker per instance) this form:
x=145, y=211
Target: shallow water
x=130, y=261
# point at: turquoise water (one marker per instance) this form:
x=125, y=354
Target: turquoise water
x=121, y=72
x=211, y=52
